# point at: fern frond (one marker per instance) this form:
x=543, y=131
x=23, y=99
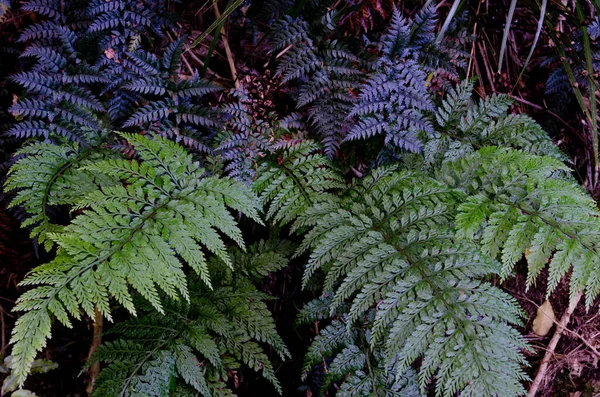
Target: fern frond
x=202, y=335
x=288, y=31
x=465, y=126
x=48, y=8
x=396, y=40
x=389, y=248
x=392, y=103
x=330, y=339
x=172, y=56
x=131, y=236
x=533, y=206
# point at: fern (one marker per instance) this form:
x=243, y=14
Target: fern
x=535, y=207
x=172, y=108
x=403, y=255
x=387, y=246
x=392, y=103
x=247, y=137
x=124, y=22
x=463, y=126
x=394, y=99
x=119, y=28
x=328, y=71
x=196, y=340
x=559, y=87
x=131, y=235
x=356, y=373
x=301, y=179
x=60, y=101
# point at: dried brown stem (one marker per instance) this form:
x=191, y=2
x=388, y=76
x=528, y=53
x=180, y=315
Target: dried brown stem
x=561, y=326
x=227, y=48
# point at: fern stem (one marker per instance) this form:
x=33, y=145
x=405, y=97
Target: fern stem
x=564, y=321
x=96, y=341
x=369, y=365
x=298, y=183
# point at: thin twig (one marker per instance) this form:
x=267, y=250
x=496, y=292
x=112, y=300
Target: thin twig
x=488, y=68
x=561, y=326
x=551, y=113
x=585, y=342
x=96, y=341
x=227, y=48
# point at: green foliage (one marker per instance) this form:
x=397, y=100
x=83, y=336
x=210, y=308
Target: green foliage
x=300, y=179
x=406, y=257
x=404, y=254
x=48, y=176
x=391, y=246
x=464, y=126
x=354, y=367
x=198, y=342
x=532, y=205
x=131, y=235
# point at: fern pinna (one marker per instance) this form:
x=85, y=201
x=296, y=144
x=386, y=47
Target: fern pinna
x=52, y=176
x=244, y=139
x=199, y=342
x=403, y=255
x=133, y=235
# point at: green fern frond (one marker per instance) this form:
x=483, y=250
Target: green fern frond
x=390, y=248
x=464, y=126
x=333, y=337
x=130, y=237
x=525, y=204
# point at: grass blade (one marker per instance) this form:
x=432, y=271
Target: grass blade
x=535, y=40
x=448, y=20
x=216, y=23
x=509, y=18
x=587, y=48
